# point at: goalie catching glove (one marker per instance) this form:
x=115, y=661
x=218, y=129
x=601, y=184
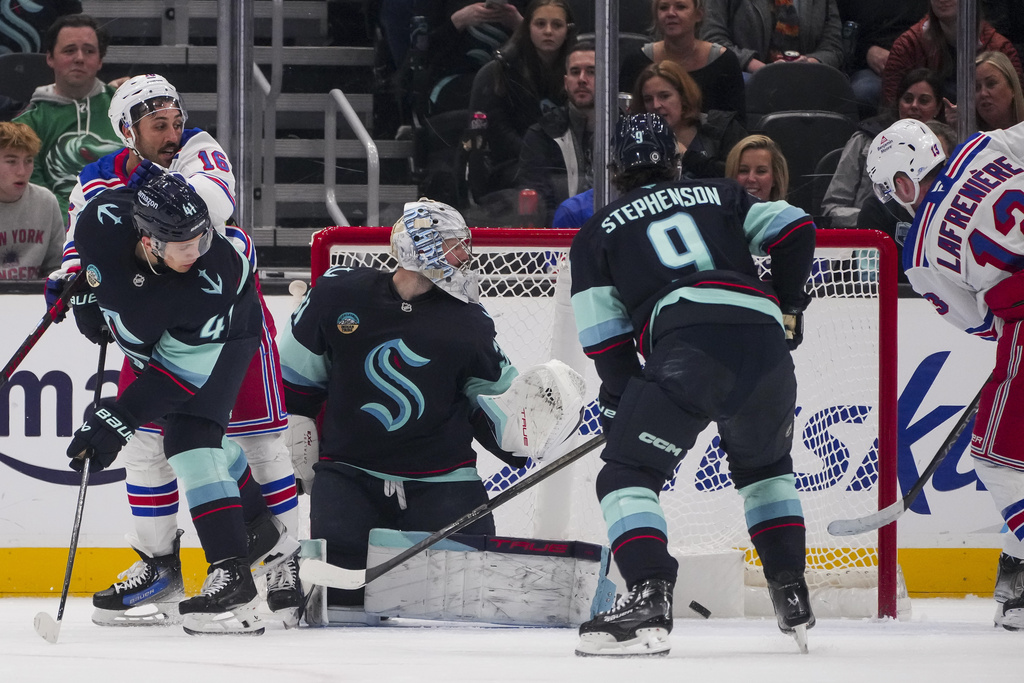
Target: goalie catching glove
x=542, y=408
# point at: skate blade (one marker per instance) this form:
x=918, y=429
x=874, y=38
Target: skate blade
x=153, y=614
x=649, y=642
x=800, y=636
x=243, y=621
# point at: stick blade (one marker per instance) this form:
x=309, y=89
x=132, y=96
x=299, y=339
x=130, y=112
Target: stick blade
x=861, y=525
x=321, y=573
x=46, y=627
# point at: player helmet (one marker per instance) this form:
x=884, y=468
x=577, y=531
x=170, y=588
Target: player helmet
x=137, y=98
x=908, y=147
x=643, y=141
x=167, y=210
x=422, y=239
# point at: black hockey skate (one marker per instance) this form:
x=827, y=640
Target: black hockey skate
x=792, y=608
x=1009, y=593
x=638, y=624
x=227, y=603
x=284, y=591
x=147, y=594
x=270, y=544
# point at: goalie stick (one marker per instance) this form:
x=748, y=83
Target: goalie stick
x=48, y=319
x=888, y=515
x=45, y=625
x=323, y=574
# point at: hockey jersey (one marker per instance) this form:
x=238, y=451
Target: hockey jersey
x=171, y=326
x=400, y=378
x=677, y=254
x=968, y=233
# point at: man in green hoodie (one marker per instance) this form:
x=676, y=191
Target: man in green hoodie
x=70, y=115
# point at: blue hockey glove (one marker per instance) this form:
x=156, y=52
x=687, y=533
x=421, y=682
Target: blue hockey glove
x=106, y=430
x=89, y=318
x=56, y=283
x=143, y=173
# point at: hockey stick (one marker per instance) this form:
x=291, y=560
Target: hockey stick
x=323, y=574
x=49, y=318
x=851, y=527
x=44, y=624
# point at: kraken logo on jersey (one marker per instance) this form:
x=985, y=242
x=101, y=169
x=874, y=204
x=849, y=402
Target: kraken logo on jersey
x=381, y=369
x=92, y=275
x=348, y=323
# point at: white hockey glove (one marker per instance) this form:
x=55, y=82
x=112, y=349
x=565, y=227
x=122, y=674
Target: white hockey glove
x=541, y=409
x=303, y=443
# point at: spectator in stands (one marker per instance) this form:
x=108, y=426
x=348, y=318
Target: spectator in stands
x=764, y=31
x=997, y=93
x=878, y=24
x=893, y=219
x=757, y=163
x=557, y=156
x=931, y=42
x=714, y=68
x=70, y=115
x=919, y=97
x=23, y=24
x=703, y=139
x=522, y=82
x=31, y=223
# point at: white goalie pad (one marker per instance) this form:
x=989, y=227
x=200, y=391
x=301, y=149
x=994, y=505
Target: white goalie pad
x=491, y=579
x=303, y=443
x=541, y=409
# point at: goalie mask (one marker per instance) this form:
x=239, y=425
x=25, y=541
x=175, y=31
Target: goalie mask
x=169, y=211
x=432, y=238
x=137, y=98
x=908, y=147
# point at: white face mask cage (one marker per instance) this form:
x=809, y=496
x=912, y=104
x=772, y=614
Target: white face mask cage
x=424, y=237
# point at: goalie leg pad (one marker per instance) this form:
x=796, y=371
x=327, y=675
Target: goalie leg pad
x=492, y=579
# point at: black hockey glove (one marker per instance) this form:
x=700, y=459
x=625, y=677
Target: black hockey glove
x=89, y=318
x=607, y=405
x=106, y=430
x=794, y=324
x=143, y=173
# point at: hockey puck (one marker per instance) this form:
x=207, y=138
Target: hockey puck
x=700, y=609
x=297, y=288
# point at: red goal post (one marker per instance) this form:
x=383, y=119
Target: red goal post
x=845, y=441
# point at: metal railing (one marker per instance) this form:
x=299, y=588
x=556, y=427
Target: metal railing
x=338, y=102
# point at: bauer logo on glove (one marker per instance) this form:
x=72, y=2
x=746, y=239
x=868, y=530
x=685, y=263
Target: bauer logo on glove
x=106, y=431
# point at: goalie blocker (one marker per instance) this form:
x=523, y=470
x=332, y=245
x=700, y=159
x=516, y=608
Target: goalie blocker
x=493, y=579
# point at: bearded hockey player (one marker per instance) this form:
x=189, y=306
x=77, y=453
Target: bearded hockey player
x=667, y=271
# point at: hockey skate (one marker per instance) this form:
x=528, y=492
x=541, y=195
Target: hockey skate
x=793, y=609
x=284, y=591
x=270, y=544
x=1009, y=593
x=227, y=603
x=638, y=624
x=147, y=594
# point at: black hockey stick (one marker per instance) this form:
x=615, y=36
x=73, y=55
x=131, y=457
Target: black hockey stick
x=851, y=527
x=44, y=624
x=48, y=319
x=323, y=574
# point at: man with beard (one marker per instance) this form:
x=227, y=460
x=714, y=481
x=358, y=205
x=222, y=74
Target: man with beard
x=556, y=159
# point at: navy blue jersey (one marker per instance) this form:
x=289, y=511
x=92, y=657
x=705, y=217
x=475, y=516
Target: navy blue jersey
x=681, y=253
x=400, y=379
x=173, y=327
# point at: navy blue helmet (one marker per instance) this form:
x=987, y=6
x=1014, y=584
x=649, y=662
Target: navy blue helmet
x=167, y=209
x=643, y=141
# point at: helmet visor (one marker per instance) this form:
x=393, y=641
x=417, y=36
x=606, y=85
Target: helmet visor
x=180, y=251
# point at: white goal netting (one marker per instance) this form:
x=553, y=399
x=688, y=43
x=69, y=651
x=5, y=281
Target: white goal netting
x=844, y=448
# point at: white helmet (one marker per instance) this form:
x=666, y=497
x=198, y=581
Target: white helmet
x=137, y=98
x=418, y=242
x=908, y=147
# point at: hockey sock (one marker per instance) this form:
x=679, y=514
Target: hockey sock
x=152, y=494
x=636, y=524
x=775, y=521
x=253, y=504
x=271, y=465
x=213, y=501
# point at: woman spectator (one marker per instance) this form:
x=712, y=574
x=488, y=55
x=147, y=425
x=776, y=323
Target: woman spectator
x=997, y=94
x=521, y=83
x=764, y=31
x=703, y=139
x=919, y=97
x=757, y=163
x=715, y=69
x=931, y=42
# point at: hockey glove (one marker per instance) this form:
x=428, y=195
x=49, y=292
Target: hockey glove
x=794, y=324
x=607, y=405
x=106, y=430
x=89, y=318
x=143, y=173
x=56, y=282
x=1006, y=298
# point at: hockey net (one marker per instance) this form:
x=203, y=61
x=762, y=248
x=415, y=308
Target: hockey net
x=844, y=448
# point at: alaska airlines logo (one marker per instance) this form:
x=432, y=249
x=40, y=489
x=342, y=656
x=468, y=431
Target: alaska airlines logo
x=382, y=366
